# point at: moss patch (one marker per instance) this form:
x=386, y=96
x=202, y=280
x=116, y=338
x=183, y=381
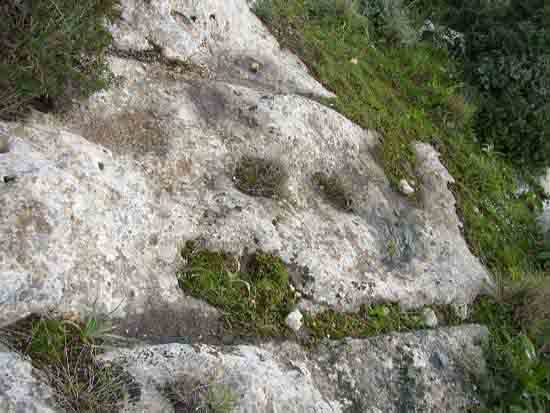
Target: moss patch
x=255, y=297
x=261, y=177
x=254, y=300
x=335, y=190
x=369, y=321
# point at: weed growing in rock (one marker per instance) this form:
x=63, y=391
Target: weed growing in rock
x=261, y=177
x=189, y=395
x=64, y=354
x=254, y=300
x=52, y=52
x=335, y=190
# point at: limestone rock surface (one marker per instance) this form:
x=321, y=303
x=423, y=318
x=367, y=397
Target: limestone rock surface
x=423, y=371
x=20, y=391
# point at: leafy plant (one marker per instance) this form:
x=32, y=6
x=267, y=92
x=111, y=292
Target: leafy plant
x=508, y=60
x=190, y=395
x=52, y=51
x=391, y=20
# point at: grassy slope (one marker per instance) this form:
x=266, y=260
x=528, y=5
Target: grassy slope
x=413, y=94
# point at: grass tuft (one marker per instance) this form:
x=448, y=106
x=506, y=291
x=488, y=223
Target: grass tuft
x=518, y=348
x=189, y=395
x=335, y=190
x=64, y=355
x=261, y=177
x=369, y=321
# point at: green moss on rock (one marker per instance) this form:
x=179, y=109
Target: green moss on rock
x=254, y=301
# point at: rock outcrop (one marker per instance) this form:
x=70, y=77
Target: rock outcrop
x=425, y=371
x=20, y=390
x=94, y=204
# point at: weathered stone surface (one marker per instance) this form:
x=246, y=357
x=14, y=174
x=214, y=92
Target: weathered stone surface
x=422, y=371
x=20, y=391
x=222, y=35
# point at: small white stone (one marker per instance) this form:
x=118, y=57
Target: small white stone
x=429, y=317
x=405, y=187
x=294, y=320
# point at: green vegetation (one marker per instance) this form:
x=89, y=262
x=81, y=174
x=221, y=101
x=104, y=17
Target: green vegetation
x=64, y=354
x=369, y=321
x=386, y=79
x=335, y=190
x=413, y=94
x=254, y=301
x=518, y=349
x=506, y=60
x=189, y=395
x=372, y=320
x=261, y=177
x=52, y=52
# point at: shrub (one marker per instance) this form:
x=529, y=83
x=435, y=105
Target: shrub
x=51, y=52
x=391, y=19
x=508, y=60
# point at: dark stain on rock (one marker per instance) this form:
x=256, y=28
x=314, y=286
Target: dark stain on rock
x=162, y=323
x=153, y=240
x=211, y=104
